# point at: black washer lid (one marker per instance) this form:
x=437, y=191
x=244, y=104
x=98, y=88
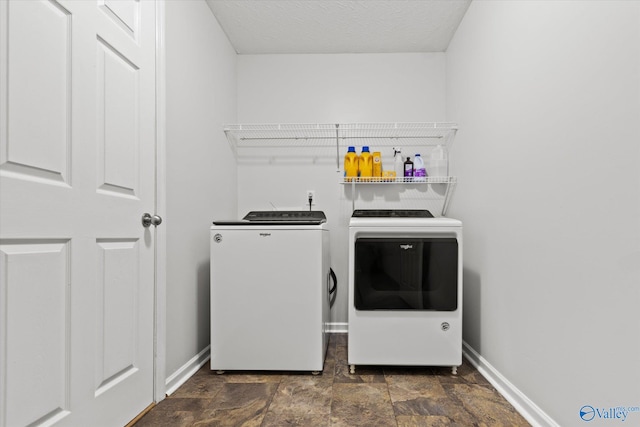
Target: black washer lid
x=278, y=218
x=309, y=217
x=391, y=213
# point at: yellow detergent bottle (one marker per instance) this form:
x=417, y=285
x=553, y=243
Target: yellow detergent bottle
x=365, y=165
x=350, y=164
x=377, y=165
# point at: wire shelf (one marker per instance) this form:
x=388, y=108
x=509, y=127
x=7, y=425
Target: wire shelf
x=440, y=198
x=400, y=180
x=246, y=138
x=405, y=133
x=257, y=142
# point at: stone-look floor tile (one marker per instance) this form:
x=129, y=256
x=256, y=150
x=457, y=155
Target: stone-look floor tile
x=246, y=377
x=330, y=361
x=205, y=369
x=466, y=374
x=450, y=408
x=425, y=421
x=325, y=376
x=174, y=411
x=486, y=405
x=341, y=355
x=363, y=404
x=364, y=374
x=238, y=405
x=156, y=418
x=409, y=370
x=172, y=404
x=339, y=339
x=272, y=419
x=424, y=407
x=373, y=396
x=302, y=396
x=331, y=351
x=415, y=394
x=200, y=386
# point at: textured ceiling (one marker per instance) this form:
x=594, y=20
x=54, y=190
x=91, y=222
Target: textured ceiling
x=339, y=26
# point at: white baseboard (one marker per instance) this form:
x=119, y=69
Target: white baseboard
x=179, y=377
x=338, y=327
x=529, y=410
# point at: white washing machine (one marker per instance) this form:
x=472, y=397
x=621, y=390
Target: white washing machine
x=270, y=290
x=405, y=289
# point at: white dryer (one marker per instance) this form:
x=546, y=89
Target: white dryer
x=270, y=291
x=405, y=289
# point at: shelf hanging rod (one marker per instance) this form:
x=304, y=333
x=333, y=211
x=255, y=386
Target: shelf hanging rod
x=337, y=147
x=392, y=137
x=298, y=138
x=292, y=138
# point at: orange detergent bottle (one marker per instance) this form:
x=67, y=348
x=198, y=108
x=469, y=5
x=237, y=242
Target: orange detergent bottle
x=350, y=164
x=365, y=164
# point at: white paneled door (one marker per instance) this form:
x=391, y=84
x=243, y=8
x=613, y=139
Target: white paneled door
x=77, y=171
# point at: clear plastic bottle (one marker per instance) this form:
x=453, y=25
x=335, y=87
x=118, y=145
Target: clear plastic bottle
x=438, y=162
x=398, y=164
x=419, y=172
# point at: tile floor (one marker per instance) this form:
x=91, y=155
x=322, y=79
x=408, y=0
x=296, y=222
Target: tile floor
x=373, y=397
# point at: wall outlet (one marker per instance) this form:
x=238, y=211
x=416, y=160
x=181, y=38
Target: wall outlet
x=311, y=194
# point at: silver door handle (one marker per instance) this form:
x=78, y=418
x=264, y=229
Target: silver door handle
x=147, y=220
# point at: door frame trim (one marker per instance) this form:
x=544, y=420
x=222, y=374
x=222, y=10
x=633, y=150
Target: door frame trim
x=160, y=330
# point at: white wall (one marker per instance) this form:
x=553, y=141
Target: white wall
x=340, y=88
x=547, y=96
x=201, y=171
x=330, y=89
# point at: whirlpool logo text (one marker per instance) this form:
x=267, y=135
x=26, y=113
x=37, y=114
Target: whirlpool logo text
x=617, y=413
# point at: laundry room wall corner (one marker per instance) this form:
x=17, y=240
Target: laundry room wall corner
x=200, y=173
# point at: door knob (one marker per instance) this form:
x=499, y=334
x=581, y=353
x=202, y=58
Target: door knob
x=147, y=220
